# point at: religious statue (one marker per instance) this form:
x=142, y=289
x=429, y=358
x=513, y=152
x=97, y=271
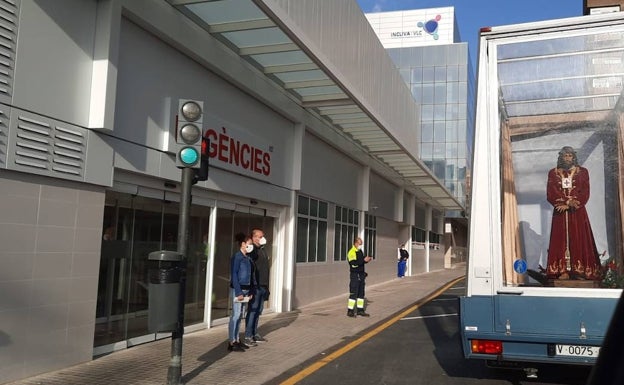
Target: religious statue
x=572, y=252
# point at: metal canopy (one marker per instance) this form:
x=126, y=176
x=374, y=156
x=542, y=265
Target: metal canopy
x=243, y=27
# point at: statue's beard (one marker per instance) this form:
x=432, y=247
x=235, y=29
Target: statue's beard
x=566, y=165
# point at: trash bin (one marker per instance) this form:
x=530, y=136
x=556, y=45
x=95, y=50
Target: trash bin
x=163, y=290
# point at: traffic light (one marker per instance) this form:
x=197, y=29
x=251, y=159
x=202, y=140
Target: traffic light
x=201, y=173
x=189, y=133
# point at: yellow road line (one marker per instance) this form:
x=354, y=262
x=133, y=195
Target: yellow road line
x=353, y=344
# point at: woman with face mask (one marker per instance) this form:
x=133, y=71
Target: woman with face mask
x=242, y=284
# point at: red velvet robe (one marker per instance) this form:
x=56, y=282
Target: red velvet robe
x=584, y=261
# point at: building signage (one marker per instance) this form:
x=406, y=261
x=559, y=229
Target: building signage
x=413, y=28
x=429, y=27
x=237, y=151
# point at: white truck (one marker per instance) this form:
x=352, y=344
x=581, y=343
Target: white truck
x=544, y=271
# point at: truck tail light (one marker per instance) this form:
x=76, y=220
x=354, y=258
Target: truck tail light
x=486, y=346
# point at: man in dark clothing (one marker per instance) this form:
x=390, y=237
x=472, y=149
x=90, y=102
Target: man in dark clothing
x=402, y=264
x=357, y=260
x=261, y=261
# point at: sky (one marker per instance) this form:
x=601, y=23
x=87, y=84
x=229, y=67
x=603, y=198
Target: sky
x=471, y=15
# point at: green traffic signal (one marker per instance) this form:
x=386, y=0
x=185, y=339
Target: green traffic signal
x=189, y=156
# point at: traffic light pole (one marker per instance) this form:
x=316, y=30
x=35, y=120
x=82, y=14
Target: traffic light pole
x=174, y=373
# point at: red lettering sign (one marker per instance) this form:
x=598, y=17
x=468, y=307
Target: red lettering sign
x=238, y=153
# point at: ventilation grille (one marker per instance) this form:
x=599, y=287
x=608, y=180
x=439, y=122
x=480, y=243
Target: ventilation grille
x=8, y=40
x=48, y=147
x=4, y=138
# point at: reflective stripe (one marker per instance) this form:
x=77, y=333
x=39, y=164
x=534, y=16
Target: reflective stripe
x=360, y=303
x=351, y=304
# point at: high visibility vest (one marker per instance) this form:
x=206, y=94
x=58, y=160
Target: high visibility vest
x=352, y=257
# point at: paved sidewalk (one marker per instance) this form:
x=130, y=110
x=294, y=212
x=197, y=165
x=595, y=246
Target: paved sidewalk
x=294, y=338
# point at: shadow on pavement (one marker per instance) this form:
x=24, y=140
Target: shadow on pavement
x=220, y=351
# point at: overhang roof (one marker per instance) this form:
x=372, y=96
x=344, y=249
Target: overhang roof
x=265, y=42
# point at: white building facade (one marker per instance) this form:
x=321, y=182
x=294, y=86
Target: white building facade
x=306, y=144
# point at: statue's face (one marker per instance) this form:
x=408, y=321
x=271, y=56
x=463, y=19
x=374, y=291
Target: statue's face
x=568, y=159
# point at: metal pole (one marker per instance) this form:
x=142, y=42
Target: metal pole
x=174, y=373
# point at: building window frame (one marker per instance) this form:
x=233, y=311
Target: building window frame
x=311, y=244
x=370, y=234
x=346, y=222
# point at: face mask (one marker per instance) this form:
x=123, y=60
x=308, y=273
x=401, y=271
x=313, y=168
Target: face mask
x=262, y=241
x=359, y=247
x=249, y=248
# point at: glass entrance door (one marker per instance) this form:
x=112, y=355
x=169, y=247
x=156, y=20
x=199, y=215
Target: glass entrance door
x=134, y=226
x=229, y=223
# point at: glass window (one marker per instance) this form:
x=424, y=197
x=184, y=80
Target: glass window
x=439, y=112
x=440, y=74
x=345, y=229
x=418, y=235
x=452, y=111
x=405, y=74
x=439, y=93
x=313, y=208
x=311, y=243
x=426, y=151
x=370, y=235
x=427, y=93
x=452, y=54
x=438, y=54
x=427, y=131
x=439, y=131
x=452, y=92
x=451, y=150
x=567, y=236
x=322, y=209
x=426, y=112
x=439, y=152
x=427, y=59
x=451, y=131
x=428, y=74
x=417, y=92
x=439, y=168
x=416, y=75
x=303, y=205
x=451, y=74
x=302, y=239
x=462, y=92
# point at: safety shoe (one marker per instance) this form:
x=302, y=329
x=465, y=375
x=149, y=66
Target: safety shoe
x=350, y=313
x=362, y=313
x=249, y=341
x=259, y=338
x=243, y=345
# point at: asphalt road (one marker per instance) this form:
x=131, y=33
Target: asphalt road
x=423, y=347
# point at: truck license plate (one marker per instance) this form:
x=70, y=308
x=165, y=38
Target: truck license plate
x=577, y=350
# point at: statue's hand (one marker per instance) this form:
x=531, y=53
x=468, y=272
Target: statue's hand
x=562, y=208
x=574, y=203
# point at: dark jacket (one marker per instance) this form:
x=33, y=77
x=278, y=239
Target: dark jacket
x=355, y=257
x=404, y=255
x=263, y=267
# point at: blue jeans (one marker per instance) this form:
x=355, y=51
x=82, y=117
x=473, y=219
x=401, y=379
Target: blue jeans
x=401, y=268
x=235, y=318
x=256, y=305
